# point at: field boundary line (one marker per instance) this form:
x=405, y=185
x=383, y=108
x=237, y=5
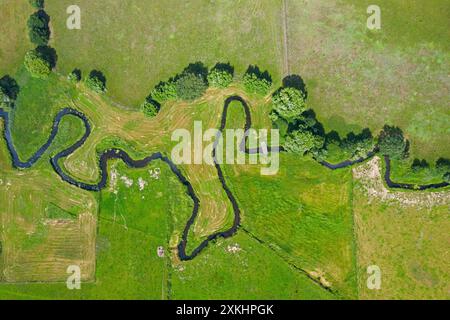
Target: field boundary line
x=291, y=264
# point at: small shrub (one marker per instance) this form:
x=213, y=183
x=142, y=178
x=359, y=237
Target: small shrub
x=419, y=165
x=10, y=87
x=220, y=76
x=96, y=81
x=164, y=91
x=392, y=143
x=289, y=103
x=74, y=76
x=301, y=142
x=37, y=65
x=38, y=4
x=4, y=99
x=190, y=86
x=443, y=165
x=446, y=177
x=150, y=108
x=256, y=81
x=39, y=30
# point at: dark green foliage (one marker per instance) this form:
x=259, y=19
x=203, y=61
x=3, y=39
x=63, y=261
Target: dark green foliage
x=443, y=165
x=289, y=103
x=37, y=64
x=96, y=81
x=190, y=86
x=446, y=177
x=295, y=81
x=150, y=107
x=164, y=91
x=359, y=145
x=75, y=76
x=4, y=99
x=10, y=87
x=221, y=75
x=392, y=143
x=49, y=54
x=39, y=30
x=419, y=165
x=256, y=81
x=38, y=4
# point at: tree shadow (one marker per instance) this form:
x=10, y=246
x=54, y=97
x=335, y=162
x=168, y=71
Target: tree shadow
x=77, y=73
x=295, y=81
x=49, y=54
x=10, y=86
x=333, y=137
x=99, y=75
x=197, y=68
x=253, y=69
x=227, y=67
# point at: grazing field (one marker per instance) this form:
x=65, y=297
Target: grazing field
x=405, y=234
x=240, y=268
x=37, y=104
x=357, y=78
x=139, y=43
x=305, y=233
x=304, y=214
x=14, y=44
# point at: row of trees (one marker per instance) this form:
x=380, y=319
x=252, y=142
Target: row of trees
x=95, y=81
x=39, y=61
x=302, y=133
x=193, y=81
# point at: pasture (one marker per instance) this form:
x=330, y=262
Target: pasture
x=139, y=43
x=360, y=79
x=306, y=233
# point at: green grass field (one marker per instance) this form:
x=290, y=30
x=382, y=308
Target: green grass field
x=155, y=45
x=14, y=44
x=306, y=233
x=357, y=78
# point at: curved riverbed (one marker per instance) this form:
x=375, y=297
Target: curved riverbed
x=124, y=156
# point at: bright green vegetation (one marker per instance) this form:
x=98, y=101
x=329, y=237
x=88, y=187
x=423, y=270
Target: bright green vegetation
x=13, y=29
x=37, y=65
x=241, y=268
x=37, y=105
x=304, y=214
x=136, y=54
x=149, y=200
x=306, y=233
x=359, y=79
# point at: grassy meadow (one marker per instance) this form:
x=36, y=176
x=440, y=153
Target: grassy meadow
x=305, y=230
x=138, y=43
x=357, y=78
x=405, y=235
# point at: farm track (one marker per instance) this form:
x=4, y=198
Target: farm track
x=112, y=154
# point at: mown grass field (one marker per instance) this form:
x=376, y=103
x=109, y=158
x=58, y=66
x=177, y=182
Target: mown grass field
x=356, y=78
x=138, y=43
